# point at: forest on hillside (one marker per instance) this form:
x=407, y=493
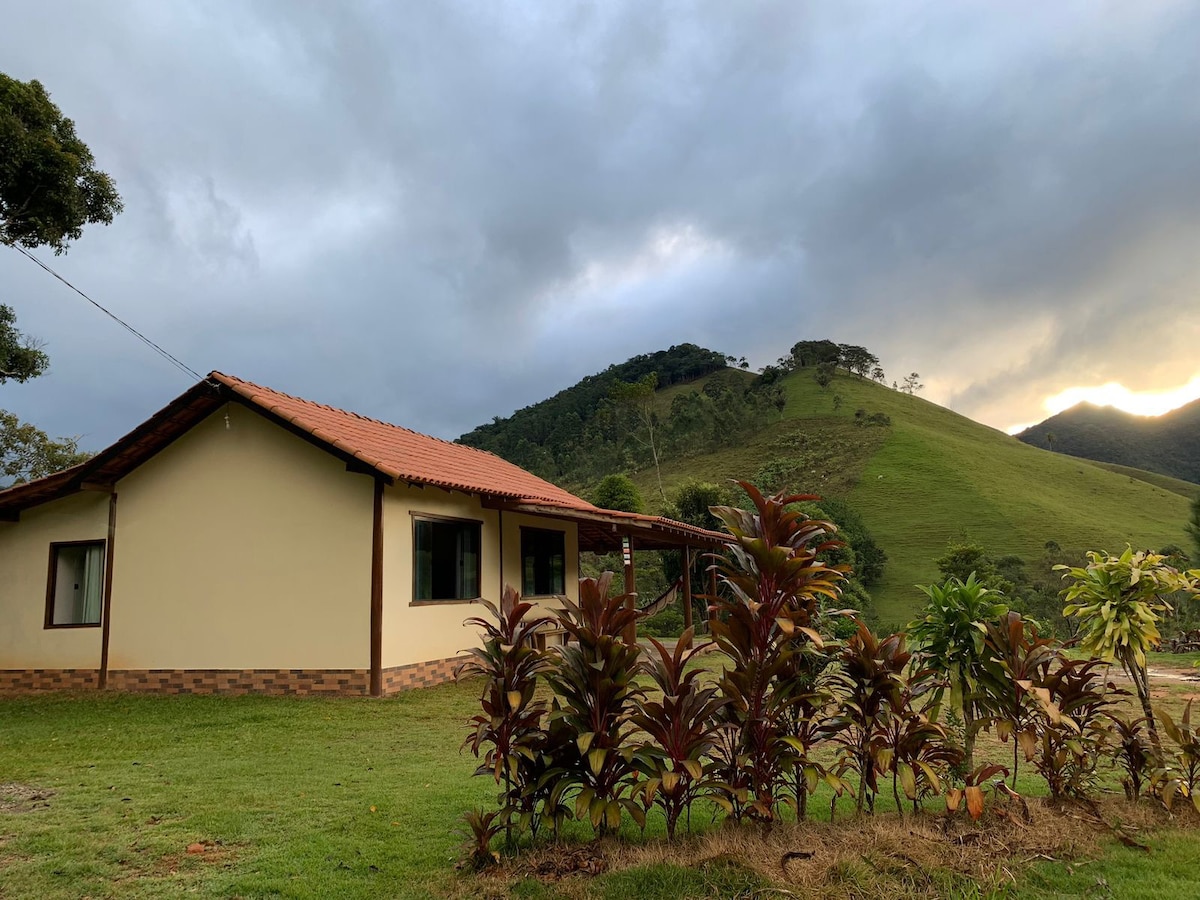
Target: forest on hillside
x=1168, y=444
x=620, y=419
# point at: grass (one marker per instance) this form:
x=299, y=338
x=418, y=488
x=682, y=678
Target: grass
x=934, y=476
x=319, y=797
x=298, y=797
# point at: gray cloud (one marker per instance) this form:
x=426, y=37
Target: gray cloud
x=436, y=213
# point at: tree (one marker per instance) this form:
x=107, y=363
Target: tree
x=21, y=357
x=962, y=561
x=27, y=453
x=1051, y=437
x=824, y=375
x=694, y=502
x=857, y=360
x=1193, y=525
x=952, y=634
x=637, y=398
x=813, y=353
x=618, y=492
x=1119, y=601
x=49, y=189
x=911, y=383
x=49, y=184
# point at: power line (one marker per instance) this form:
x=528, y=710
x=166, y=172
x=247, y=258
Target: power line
x=181, y=366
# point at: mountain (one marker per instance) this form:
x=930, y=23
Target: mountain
x=1168, y=444
x=919, y=475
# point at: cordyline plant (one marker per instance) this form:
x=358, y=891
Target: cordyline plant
x=596, y=693
x=1018, y=661
x=952, y=635
x=973, y=790
x=682, y=726
x=869, y=685
x=773, y=584
x=1134, y=756
x=508, y=729
x=1179, y=776
x=910, y=747
x=1119, y=601
x=1076, y=703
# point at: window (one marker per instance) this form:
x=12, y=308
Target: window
x=75, y=592
x=543, y=562
x=446, y=559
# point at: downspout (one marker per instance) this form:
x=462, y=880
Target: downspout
x=106, y=613
x=377, y=591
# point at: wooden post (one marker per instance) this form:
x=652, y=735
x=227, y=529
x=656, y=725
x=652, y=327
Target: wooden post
x=630, y=587
x=686, y=555
x=712, y=590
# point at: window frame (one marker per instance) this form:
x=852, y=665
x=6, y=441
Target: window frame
x=52, y=583
x=418, y=517
x=563, y=535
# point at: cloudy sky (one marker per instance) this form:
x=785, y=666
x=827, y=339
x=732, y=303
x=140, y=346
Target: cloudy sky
x=436, y=213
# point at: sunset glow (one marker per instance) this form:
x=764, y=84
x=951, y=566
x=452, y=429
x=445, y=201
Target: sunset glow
x=1141, y=403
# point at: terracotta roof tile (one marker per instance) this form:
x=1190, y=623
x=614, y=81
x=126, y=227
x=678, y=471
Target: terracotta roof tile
x=404, y=454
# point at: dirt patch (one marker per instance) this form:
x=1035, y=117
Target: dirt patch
x=870, y=857
x=23, y=798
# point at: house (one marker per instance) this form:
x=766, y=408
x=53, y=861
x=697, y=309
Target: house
x=242, y=539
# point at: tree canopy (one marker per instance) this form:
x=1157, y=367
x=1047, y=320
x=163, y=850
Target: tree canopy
x=20, y=357
x=49, y=184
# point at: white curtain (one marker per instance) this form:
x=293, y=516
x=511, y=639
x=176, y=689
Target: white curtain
x=91, y=585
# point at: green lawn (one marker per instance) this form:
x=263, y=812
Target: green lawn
x=339, y=797
x=307, y=797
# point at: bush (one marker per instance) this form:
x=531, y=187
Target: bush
x=618, y=492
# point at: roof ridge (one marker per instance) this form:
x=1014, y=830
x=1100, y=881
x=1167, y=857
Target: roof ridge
x=338, y=409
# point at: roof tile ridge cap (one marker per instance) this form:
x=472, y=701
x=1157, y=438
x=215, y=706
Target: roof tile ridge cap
x=241, y=383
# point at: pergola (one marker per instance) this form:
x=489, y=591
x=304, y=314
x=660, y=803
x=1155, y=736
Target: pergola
x=606, y=531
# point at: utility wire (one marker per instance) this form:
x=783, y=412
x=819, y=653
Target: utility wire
x=181, y=366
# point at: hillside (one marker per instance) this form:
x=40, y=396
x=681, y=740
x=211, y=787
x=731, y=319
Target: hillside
x=927, y=478
x=1168, y=444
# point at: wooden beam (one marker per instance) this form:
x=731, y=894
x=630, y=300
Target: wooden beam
x=377, y=591
x=110, y=553
x=686, y=555
x=103, y=487
x=630, y=587
x=10, y=515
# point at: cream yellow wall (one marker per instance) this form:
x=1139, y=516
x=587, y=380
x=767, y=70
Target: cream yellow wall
x=25, y=642
x=242, y=547
x=435, y=630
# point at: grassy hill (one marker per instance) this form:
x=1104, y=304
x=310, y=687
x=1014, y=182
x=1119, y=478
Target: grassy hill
x=933, y=476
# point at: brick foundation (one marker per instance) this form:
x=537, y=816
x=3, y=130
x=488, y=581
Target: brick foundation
x=233, y=681
x=241, y=681
x=417, y=675
x=49, y=679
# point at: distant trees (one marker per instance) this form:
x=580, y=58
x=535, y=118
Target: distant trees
x=27, y=452
x=576, y=430
x=911, y=383
x=618, y=492
x=636, y=399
